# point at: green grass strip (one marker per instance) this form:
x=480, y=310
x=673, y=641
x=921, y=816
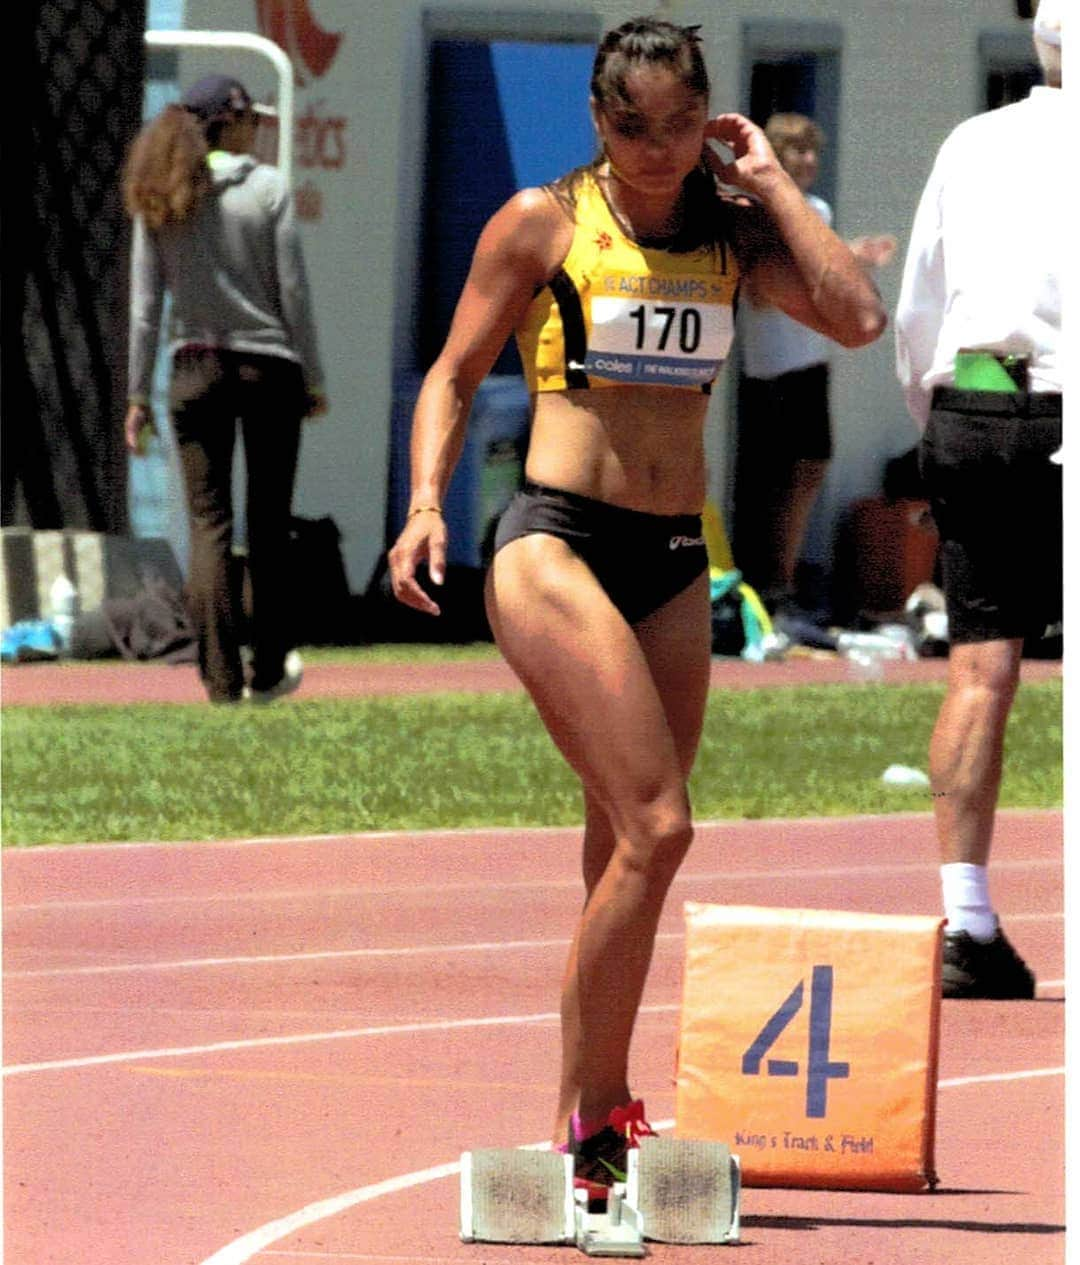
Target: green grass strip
x=321, y=766
x=403, y=652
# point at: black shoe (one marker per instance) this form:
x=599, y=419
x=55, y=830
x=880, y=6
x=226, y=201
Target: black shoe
x=600, y=1158
x=599, y=1162
x=993, y=970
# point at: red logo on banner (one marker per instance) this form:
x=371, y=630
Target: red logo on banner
x=290, y=23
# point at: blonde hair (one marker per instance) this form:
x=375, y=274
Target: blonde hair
x=794, y=129
x=166, y=176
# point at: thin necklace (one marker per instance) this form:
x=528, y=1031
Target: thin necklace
x=668, y=230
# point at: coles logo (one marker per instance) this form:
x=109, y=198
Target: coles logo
x=291, y=24
x=321, y=131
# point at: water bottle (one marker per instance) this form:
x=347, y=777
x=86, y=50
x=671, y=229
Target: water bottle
x=883, y=645
x=867, y=653
x=902, y=638
x=64, y=601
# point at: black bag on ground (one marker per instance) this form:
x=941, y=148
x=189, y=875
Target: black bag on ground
x=318, y=585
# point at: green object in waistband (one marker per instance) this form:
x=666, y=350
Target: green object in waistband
x=978, y=370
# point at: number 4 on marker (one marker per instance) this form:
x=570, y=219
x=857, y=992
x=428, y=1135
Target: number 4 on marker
x=819, y=1071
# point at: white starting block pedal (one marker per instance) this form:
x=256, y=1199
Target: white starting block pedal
x=677, y=1191
x=685, y=1191
x=514, y=1196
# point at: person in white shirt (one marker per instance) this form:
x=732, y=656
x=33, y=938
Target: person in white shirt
x=785, y=431
x=982, y=278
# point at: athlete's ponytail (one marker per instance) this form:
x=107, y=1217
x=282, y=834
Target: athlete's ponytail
x=166, y=175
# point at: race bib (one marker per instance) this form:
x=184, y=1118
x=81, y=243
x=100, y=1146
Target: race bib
x=658, y=339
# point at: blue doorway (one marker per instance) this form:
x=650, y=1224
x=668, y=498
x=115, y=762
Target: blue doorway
x=502, y=115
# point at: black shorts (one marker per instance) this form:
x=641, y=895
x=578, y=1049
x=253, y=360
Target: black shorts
x=641, y=560
x=996, y=498
x=787, y=417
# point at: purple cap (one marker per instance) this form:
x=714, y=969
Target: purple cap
x=218, y=97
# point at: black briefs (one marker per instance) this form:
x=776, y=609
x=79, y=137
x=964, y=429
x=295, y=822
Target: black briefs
x=641, y=560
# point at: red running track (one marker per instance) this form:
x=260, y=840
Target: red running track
x=110, y=681
x=274, y=1051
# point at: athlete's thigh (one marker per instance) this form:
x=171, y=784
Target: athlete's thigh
x=585, y=670
x=677, y=643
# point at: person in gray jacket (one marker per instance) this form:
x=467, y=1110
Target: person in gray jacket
x=216, y=229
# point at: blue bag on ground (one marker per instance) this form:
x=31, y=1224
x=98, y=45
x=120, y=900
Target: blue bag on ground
x=29, y=641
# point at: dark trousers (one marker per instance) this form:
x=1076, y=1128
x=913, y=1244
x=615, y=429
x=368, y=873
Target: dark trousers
x=213, y=393
x=784, y=439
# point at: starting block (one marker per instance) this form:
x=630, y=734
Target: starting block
x=677, y=1191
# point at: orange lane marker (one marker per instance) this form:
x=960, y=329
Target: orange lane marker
x=809, y=1044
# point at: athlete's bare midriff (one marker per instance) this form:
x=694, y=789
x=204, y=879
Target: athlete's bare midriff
x=640, y=447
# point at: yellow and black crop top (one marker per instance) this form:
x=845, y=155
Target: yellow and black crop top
x=618, y=313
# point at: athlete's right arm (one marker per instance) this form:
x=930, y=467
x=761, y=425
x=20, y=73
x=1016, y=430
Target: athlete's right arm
x=517, y=253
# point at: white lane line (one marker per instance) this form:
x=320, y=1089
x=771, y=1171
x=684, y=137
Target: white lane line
x=306, y=1254
x=995, y=1077
x=264, y=959
x=373, y=892
x=313, y=1038
x=472, y=832
x=300, y=1038
x=332, y=955
x=251, y=1244
x=244, y=1248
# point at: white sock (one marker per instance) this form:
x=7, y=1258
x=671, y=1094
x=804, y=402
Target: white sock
x=966, y=895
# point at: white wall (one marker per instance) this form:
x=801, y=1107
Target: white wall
x=909, y=73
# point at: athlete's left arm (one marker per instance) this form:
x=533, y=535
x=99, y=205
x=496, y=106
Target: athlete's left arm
x=790, y=258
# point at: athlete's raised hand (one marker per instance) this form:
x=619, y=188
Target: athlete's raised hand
x=753, y=161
